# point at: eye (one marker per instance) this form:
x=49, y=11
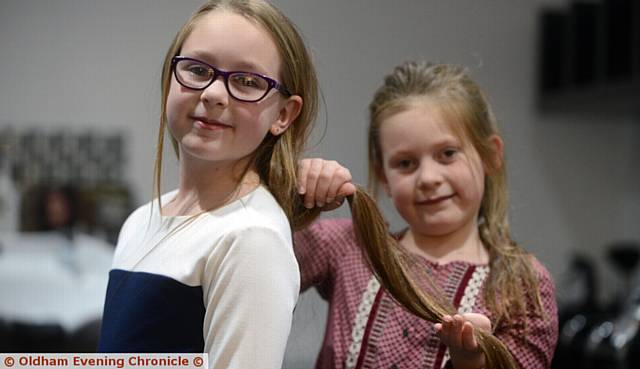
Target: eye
x=449, y=154
x=403, y=164
x=248, y=81
x=199, y=70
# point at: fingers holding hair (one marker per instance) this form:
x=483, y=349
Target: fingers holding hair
x=324, y=183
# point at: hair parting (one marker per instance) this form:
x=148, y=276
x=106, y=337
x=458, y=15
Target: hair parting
x=388, y=262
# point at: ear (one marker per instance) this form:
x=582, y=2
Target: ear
x=497, y=148
x=289, y=111
x=382, y=179
x=385, y=187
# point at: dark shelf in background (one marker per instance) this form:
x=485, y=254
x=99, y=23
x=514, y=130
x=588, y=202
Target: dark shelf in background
x=589, y=58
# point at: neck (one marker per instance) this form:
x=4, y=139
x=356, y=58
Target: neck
x=461, y=245
x=205, y=186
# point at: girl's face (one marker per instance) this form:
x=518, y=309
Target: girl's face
x=209, y=124
x=434, y=181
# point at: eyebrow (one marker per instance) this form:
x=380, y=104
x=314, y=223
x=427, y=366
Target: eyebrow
x=449, y=140
x=401, y=152
x=242, y=65
x=438, y=145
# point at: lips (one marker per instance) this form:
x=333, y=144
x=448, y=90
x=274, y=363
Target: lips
x=209, y=124
x=435, y=200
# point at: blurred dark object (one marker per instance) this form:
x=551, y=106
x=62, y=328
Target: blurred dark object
x=77, y=174
x=57, y=209
x=20, y=337
x=554, y=63
x=610, y=342
x=614, y=343
x=65, y=156
x=589, y=57
x=85, y=339
x=99, y=210
x=622, y=38
x=48, y=338
x=608, y=336
x=587, y=40
x=624, y=255
x=577, y=318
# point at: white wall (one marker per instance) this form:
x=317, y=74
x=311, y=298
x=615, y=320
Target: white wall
x=96, y=63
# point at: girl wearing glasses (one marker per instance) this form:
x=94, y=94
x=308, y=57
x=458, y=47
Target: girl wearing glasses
x=210, y=267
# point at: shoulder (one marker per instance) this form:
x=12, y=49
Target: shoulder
x=142, y=212
x=255, y=222
x=544, y=277
x=544, y=298
x=149, y=210
x=254, y=249
x=256, y=214
x=332, y=233
x=342, y=226
x=546, y=287
x=254, y=252
x=139, y=217
x=250, y=235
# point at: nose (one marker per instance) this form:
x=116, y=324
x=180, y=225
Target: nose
x=429, y=175
x=216, y=93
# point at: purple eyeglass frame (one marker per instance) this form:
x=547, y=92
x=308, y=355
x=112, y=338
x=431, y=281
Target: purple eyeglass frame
x=272, y=83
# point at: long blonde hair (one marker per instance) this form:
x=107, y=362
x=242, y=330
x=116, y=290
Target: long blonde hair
x=512, y=274
x=275, y=160
x=512, y=278
x=390, y=263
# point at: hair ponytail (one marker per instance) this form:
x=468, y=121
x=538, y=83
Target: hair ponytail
x=389, y=263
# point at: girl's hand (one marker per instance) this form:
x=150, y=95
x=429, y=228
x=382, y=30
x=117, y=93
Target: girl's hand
x=457, y=333
x=324, y=183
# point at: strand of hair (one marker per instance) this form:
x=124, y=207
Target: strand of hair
x=386, y=260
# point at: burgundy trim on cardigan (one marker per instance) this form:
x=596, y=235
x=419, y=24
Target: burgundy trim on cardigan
x=456, y=302
x=367, y=330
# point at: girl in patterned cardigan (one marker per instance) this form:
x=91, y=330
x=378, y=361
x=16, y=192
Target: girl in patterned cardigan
x=435, y=150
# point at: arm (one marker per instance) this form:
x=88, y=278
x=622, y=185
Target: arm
x=533, y=346
x=318, y=248
x=325, y=184
x=251, y=289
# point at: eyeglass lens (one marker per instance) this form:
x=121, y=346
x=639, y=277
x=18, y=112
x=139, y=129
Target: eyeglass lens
x=241, y=85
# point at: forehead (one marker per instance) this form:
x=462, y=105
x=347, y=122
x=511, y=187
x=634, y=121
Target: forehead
x=418, y=122
x=231, y=41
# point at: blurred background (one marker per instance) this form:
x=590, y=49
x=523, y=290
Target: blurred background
x=79, y=108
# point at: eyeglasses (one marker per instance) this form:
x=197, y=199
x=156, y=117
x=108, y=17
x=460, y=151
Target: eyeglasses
x=243, y=86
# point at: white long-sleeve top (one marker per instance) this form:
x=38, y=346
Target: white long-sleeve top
x=224, y=283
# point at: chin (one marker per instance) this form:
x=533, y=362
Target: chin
x=436, y=229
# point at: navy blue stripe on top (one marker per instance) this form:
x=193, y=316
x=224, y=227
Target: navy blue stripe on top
x=147, y=312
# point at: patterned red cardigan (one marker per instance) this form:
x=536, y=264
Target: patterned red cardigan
x=367, y=329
